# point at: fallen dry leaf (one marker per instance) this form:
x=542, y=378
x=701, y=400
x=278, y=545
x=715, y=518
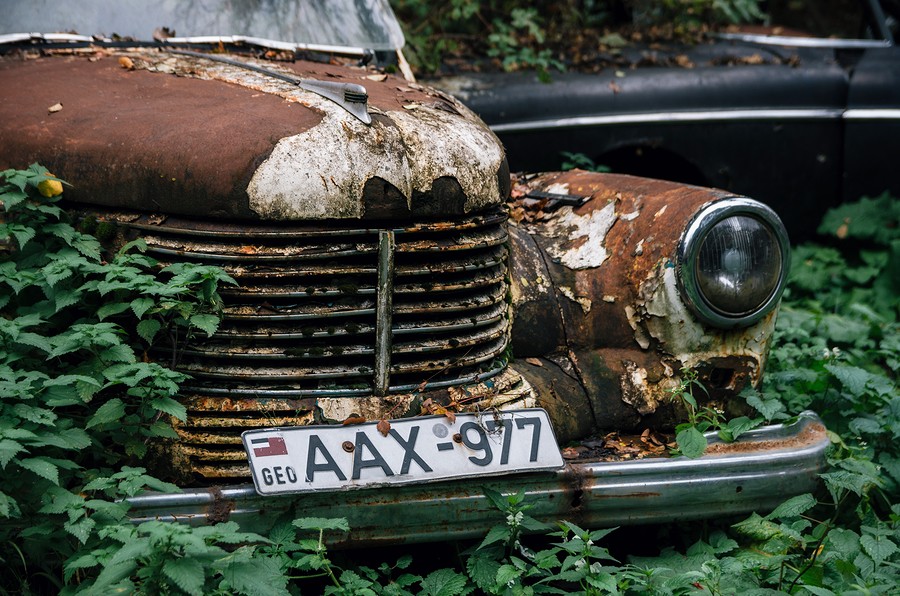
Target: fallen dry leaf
x=54, y=108
x=126, y=62
x=377, y=77
x=353, y=420
x=384, y=427
x=534, y=361
x=842, y=230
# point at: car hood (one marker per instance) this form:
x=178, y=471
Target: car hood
x=156, y=130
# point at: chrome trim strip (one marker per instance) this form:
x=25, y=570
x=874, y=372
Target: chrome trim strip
x=765, y=467
x=672, y=117
x=804, y=42
x=47, y=37
x=195, y=40
x=269, y=43
x=872, y=114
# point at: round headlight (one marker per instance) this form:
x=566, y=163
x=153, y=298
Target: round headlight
x=732, y=262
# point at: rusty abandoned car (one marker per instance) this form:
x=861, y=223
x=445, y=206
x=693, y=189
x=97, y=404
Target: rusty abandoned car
x=383, y=276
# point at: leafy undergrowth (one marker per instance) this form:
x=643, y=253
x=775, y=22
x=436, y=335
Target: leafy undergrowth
x=545, y=36
x=75, y=328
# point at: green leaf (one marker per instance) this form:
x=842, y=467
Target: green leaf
x=443, y=582
x=42, y=467
x=793, y=507
x=259, y=576
x=853, y=378
x=206, y=323
x=114, y=308
x=507, y=574
x=148, y=328
x=80, y=529
x=186, y=573
x=170, y=407
x=322, y=523
x=141, y=305
x=111, y=411
x=8, y=450
x=880, y=548
x=499, y=533
x=483, y=571
x=8, y=506
x=691, y=442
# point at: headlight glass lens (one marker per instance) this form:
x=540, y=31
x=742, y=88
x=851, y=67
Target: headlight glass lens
x=738, y=265
x=732, y=262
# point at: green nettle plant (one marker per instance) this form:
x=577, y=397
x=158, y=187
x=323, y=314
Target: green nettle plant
x=80, y=398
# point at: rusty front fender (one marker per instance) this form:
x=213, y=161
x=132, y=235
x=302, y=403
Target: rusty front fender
x=594, y=292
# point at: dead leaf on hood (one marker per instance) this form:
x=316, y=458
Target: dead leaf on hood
x=54, y=108
x=534, y=361
x=384, y=427
x=377, y=77
x=353, y=420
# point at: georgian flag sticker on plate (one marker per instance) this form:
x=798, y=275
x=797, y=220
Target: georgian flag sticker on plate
x=414, y=450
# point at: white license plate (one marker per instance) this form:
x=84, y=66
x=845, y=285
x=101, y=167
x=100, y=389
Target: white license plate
x=423, y=449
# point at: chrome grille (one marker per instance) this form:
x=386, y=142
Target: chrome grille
x=302, y=324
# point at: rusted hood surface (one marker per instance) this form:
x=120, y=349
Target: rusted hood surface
x=156, y=131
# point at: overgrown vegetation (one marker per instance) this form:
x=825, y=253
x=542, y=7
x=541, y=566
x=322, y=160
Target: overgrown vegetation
x=79, y=403
x=545, y=36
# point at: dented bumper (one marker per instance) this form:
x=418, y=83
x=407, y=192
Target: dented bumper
x=756, y=473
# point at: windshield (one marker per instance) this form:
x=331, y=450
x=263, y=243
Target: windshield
x=355, y=23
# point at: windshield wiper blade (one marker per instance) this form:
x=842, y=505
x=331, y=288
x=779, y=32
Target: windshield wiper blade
x=350, y=96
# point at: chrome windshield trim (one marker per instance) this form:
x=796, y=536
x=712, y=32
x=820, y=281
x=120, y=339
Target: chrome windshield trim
x=804, y=42
x=272, y=44
x=672, y=117
x=48, y=38
x=762, y=469
x=872, y=114
x=269, y=43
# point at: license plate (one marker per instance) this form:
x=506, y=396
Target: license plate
x=423, y=449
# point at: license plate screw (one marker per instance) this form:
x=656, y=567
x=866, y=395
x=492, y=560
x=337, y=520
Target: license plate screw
x=348, y=446
x=457, y=438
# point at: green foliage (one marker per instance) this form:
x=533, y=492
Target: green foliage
x=687, y=15
x=582, y=162
x=689, y=435
x=510, y=31
x=543, y=35
x=79, y=398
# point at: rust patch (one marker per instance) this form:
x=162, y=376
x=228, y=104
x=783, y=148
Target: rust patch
x=162, y=136
x=220, y=509
x=810, y=435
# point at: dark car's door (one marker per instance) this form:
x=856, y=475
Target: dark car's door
x=872, y=119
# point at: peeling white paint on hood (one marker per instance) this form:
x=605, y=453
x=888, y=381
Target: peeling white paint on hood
x=320, y=173
x=579, y=240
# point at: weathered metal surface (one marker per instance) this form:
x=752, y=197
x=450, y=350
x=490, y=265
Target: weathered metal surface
x=600, y=280
x=757, y=473
x=185, y=135
x=304, y=323
x=209, y=447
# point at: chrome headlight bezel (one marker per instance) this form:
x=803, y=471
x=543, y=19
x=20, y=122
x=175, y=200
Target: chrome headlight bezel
x=692, y=240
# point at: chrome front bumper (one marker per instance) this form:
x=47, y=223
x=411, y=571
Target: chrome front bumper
x=756, y=473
